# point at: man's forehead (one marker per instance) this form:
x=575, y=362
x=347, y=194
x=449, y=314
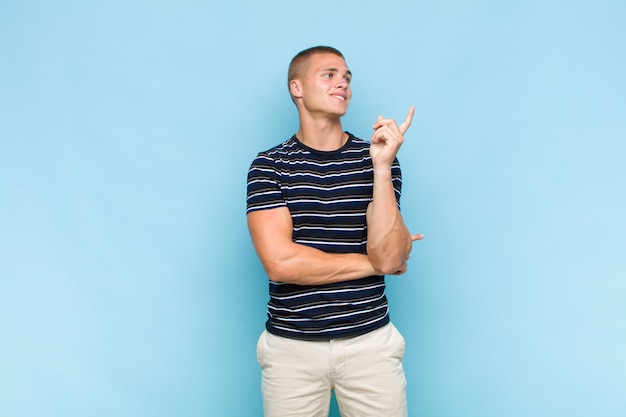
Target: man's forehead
x=329, y=62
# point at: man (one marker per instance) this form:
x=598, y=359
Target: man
x=323, y=214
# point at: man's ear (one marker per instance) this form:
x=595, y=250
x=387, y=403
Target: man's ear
x=295, y=87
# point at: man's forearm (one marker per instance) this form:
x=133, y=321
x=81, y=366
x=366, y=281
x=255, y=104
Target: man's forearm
x=303, y=265
x=388, y=240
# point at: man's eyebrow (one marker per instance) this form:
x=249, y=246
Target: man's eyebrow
x=348, y=72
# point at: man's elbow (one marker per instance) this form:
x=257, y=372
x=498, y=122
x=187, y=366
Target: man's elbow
x=272, y=272
x=390, y=255
x=386, y=265
x=276, y=271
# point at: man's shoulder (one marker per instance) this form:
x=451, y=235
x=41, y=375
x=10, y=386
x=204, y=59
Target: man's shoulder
x=277, y=155
x=285, y=146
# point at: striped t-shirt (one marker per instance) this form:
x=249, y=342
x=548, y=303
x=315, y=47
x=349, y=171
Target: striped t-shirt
x=327, y=194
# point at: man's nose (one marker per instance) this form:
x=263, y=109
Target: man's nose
x=342, y=83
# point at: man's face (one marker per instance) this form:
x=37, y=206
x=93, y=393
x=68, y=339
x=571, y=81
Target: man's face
x=326, y=86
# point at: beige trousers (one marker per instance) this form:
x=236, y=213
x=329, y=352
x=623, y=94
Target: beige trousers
x=365, y=372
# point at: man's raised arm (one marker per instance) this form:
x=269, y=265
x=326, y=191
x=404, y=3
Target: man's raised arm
x=389, y=242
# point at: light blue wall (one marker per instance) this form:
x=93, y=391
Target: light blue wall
x=129, y=287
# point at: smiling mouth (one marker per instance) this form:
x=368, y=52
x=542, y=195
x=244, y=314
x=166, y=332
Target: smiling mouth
x=340, y=97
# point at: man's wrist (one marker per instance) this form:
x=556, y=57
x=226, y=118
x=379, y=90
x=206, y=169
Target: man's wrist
x=382, y=173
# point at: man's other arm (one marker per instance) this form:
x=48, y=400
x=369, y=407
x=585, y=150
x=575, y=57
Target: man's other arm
x=289, y=262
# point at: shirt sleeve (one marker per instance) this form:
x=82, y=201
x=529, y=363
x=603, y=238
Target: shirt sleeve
x=396, y=180
x=264, y=189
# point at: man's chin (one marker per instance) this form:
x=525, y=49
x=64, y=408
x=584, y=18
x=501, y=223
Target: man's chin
x=342, y=112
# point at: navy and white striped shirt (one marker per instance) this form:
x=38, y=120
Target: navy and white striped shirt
x=327, y=194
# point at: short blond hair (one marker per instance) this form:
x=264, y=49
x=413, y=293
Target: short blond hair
x=300, y=63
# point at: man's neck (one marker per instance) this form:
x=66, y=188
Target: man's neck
x=323, y=135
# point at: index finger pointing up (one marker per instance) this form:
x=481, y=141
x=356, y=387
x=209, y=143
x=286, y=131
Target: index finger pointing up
x=407, y=121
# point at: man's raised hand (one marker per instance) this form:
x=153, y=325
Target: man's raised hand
x=387, y=139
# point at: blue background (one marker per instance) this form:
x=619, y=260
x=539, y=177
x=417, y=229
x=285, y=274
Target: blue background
x=128, y=283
